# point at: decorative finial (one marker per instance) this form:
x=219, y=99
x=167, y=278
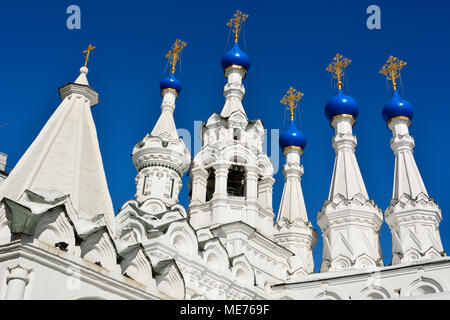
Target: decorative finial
x=88, y=51
x=174, y=54
x=236, y=22
x=391, y=69
x=291, y=100
x=337, y=66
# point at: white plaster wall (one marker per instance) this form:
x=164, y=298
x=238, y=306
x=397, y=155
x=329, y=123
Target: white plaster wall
x=400, y=281
x=57, y=278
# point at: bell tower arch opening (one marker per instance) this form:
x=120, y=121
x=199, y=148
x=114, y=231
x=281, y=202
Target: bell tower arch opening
x=236, y=182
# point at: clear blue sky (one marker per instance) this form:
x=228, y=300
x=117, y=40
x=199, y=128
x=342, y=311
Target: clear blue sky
x=289, y=43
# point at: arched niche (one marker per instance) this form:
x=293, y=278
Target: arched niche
x=365, y=261
x=169, y=280
x=183, y=238
x=340, y=263
x=374, y=293
x=55, y=229
x=87, y=298
x=243, y=272
x=99, y=248
x=425, y=285
x=215, y=255
x=153, y=206
x=328, y=295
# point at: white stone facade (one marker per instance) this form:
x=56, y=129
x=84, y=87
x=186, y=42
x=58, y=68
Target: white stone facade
x=59, y=238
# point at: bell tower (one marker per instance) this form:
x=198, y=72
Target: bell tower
x=231, y=177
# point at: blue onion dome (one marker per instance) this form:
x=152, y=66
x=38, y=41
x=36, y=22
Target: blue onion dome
x=292, y=137
x=170, y=83
x=341, y=104
x=236, y=57
x=397, y=107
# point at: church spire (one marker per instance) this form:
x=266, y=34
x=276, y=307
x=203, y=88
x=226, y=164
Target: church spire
x=292, y=228
x=65, y=158
x=342, y=111
x=236, y=64
x=160, y=177
x=353, y=242
x=82, y=78
x=170, y=88
x=412, y=215
x=292, y=142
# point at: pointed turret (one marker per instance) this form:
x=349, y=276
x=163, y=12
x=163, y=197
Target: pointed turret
x=162, y=158
x=65, y=159
x=170, y=88
x=412, y=215
x=292, y=228
x=350, y=242
x=235, y=64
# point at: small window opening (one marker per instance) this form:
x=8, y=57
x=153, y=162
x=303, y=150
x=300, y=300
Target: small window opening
x=210, y=184
x=171, y=188
x=144, y=185
x=237, y=134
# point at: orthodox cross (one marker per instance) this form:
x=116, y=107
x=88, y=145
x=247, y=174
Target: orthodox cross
x=174, y=54
x=291, y=100
x=236, y=22
x=337, y=66
x=391, y=69
x=88, y=51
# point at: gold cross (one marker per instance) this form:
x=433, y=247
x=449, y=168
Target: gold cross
x=291, y=100
x=337, y=66
x=236, y=22
x=88, y=51
x=391, y=69
x=174, y=54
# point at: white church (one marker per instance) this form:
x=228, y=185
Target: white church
x=60, y=238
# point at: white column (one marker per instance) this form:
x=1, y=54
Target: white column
x=265, y=191
x=199, y=181
x=16, y=280
x=233, y=91
x=221, y=171
x=220, y=212
x=251, y=183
